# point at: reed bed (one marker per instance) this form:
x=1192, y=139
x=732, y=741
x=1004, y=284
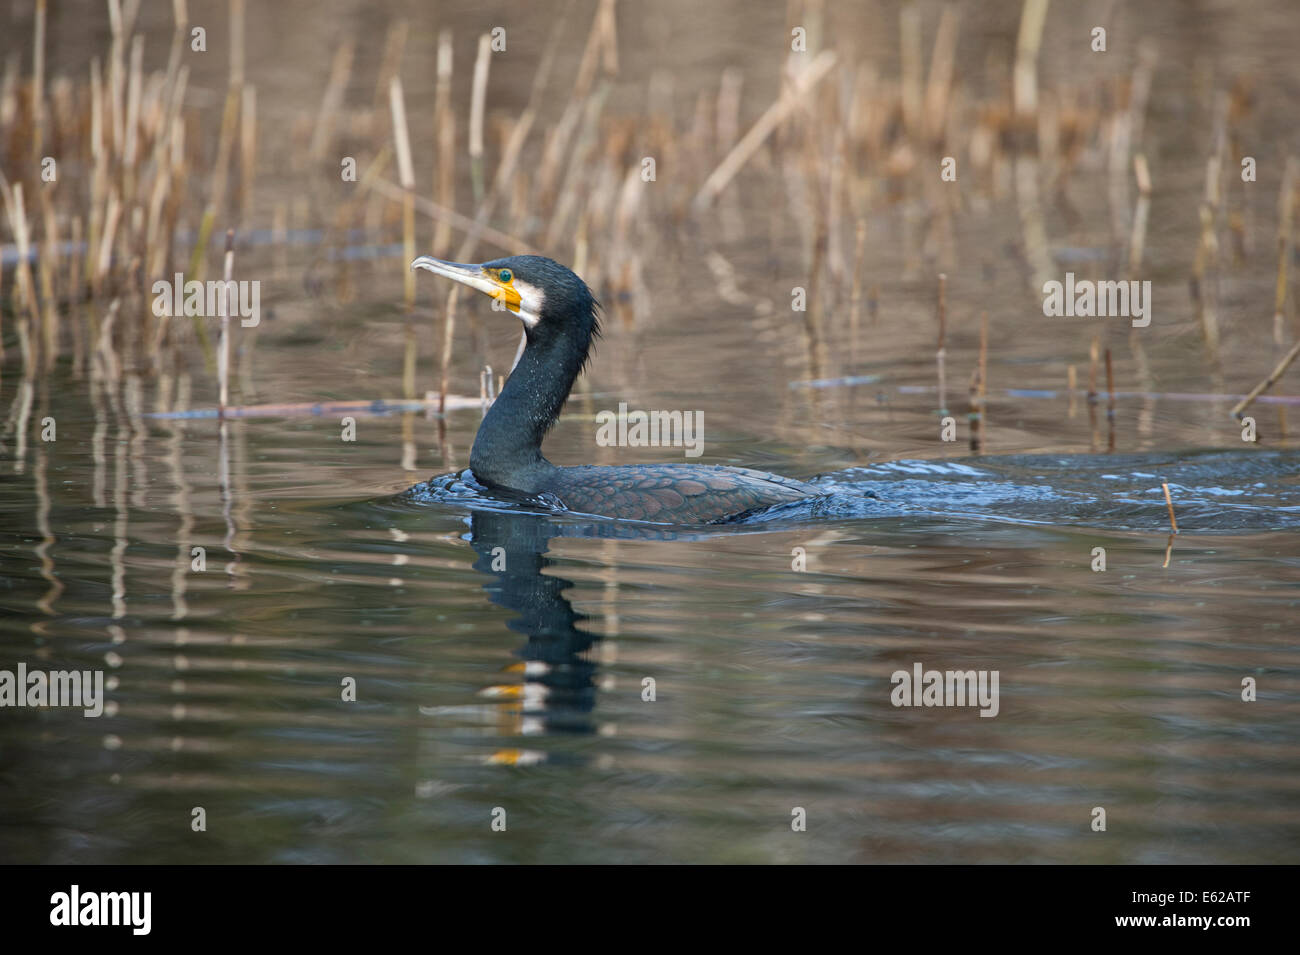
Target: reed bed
x=145, y=177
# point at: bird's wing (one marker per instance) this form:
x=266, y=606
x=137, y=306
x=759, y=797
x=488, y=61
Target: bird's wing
x=673, y=493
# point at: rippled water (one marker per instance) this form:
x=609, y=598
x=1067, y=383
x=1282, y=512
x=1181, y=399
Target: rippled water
x=1218, y=491
x=500, y=660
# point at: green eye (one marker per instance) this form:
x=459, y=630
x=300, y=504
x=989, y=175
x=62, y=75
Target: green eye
x=505, y=275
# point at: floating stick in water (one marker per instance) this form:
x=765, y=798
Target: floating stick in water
x=1268, y=382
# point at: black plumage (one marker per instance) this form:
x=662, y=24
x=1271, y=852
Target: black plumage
x=507, y=451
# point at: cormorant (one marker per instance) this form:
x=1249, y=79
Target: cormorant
x=559, y=316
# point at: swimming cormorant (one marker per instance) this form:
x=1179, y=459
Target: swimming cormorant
x=559, y=316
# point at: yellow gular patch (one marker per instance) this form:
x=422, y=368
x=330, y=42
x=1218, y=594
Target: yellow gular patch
x=509, y=295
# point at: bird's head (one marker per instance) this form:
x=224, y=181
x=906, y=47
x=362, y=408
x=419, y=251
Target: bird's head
x=549, y=299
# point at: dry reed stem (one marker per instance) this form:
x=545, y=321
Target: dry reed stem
x=505, y=169
x=331, y=101
x=556, y=146
x=1137, y=241
x=448, y=338
x=74, y=296
x=609, y=35
x=113, y=99
x=131, y=142
x=1268, y=382
x=49, y=261
x=406, y=175
x=390, y=63
x=1169, y=503
x=1026, y=111
x=453, y=219
x=223, y=344
x=237, y=43
x=569, y=192
x=38, y=83
x=1094, y=359
x=1110, y=403
x=225, y=144
x=1032, y=17
x=1285, y=213
x=744, y=150
x=938, y=91
x=1206, y=264
x=25, y=290
x=909, y=51
x=247, y=152
x=478, y=98
x=979, y=388
x=855, y=295
x=940, y=353
x=444, y=181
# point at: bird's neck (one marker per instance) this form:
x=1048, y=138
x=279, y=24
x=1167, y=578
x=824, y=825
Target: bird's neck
x=507, y=451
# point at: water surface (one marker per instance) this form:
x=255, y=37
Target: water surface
x=500, y=660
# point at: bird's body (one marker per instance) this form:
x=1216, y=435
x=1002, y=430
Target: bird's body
x=559, y=316
x=674, y=493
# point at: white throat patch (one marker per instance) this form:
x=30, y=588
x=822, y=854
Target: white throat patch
x=531, y=300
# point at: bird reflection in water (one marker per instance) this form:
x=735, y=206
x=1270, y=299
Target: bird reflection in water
x=558, y=689
x=558, y=664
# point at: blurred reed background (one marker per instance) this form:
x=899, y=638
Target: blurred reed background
x=845, y=132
